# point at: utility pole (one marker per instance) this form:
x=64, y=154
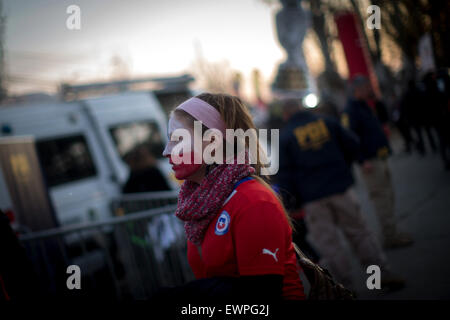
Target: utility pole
x=2, y=54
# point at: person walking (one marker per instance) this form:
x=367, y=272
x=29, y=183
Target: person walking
x=411, y=104
x=315, y=157
x=372, y=158
x=437, y=115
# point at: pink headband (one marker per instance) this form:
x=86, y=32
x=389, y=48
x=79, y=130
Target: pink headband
x=204, y=112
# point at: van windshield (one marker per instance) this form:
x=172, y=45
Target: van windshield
x=65, y=159
x=134, y=137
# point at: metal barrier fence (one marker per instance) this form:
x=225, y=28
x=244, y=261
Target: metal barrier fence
x=126, y=257
x=135, y=202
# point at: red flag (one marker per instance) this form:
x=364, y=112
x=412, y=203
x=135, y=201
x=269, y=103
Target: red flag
x=355, y=48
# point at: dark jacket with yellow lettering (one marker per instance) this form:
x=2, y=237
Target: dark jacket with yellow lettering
x=315, y=157
x=361, y=119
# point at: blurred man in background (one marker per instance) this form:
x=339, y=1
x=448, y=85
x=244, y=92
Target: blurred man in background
x=436, y=114
x=18, y=280
x=411, y=104
x=372, y=157
x=144, y=173
x=315, y=157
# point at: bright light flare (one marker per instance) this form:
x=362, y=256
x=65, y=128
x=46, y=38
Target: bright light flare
x=310, y=101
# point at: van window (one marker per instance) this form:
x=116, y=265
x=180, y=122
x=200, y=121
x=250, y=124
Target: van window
x=65, y=160
x=131, y=136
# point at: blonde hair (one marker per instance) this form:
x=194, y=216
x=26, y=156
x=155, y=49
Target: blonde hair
x=236, y=116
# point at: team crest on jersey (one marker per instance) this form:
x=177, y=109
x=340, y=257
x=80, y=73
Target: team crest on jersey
x=223, y=223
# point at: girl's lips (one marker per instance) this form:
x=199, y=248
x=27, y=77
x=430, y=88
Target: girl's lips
x=180, y=164
x=172, y=164
x=182, y=167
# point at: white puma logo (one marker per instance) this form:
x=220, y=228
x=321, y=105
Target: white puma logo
x=273, y=254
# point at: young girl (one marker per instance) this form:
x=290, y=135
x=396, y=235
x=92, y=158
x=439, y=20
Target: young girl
x=239, y=235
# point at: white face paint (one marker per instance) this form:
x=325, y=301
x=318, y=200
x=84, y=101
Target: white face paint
x=174, y=139
x=182, y=153
x=188, y=142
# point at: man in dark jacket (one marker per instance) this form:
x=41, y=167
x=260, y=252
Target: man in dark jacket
x=315, y=157
x=410, y=117
x=144, y=174
x=372, y=158
x=18, y=281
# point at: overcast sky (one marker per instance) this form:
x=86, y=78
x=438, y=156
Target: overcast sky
x=150, y=37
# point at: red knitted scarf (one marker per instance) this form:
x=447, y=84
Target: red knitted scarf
x=198, y=204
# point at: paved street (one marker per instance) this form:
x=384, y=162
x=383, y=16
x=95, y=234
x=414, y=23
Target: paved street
x=423, y=209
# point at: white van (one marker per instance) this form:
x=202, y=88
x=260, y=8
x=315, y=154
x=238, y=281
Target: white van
x=81, y=146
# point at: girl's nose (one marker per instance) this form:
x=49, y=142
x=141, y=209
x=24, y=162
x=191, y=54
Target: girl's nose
x=166, y=151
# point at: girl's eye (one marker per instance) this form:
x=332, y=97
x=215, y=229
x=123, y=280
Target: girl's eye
x=177, y=140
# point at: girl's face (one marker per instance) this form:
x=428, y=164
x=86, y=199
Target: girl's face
x=186, y=169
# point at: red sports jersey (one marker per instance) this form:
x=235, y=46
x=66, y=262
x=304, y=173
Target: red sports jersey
x=249, y=236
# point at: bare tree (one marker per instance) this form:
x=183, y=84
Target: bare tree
x=318, y=11
x=212, y=76
x=120, y=67
x=406, y=21
x=403, y=23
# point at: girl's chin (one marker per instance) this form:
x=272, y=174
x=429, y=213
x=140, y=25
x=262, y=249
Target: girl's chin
x=184, y=171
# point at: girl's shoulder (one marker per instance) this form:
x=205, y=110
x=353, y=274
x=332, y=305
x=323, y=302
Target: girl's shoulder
x=252, y=191
x=253, y=203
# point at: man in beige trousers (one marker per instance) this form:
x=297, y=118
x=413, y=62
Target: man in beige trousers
x=315, y=157
x=363, y=121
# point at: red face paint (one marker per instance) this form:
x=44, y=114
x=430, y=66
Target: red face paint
x=184, y=170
